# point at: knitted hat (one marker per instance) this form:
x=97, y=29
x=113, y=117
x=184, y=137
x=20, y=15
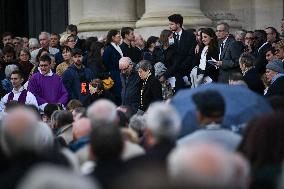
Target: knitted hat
x=160, y=69
x=275, y=65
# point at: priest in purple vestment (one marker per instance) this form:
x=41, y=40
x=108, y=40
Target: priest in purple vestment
x=47, y=86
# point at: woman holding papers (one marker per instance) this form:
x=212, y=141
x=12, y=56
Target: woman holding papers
x=206, y=71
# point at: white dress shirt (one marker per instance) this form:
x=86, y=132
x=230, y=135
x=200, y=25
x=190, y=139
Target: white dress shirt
x=30, y=99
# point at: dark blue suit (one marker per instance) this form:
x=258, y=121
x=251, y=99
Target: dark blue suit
x=111, y=59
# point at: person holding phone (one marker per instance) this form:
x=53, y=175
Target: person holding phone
x=206, y=69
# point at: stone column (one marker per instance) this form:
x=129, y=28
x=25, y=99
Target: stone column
x=103, y=15
x=157, y=12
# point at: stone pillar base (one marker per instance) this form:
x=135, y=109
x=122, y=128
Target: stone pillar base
x=193, y=20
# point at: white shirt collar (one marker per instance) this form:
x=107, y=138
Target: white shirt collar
x=49, y=74
x=18, y=91
x=179, y=34
x=117, y=47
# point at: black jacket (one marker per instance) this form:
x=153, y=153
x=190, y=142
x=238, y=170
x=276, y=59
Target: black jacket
x=276, y=88
x=152, y=91
x=253, y=80
x=130, y=93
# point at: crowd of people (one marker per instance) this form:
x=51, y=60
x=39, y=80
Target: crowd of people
x=97, y=112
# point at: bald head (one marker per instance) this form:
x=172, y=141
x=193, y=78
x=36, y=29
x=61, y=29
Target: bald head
x=19, y=128
x=102, y=110
x=201, y=166
x=81, y=128
x=125, y=65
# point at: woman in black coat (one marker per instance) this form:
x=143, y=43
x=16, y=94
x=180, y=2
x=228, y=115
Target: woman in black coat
x=151, y=89
x=207, y=56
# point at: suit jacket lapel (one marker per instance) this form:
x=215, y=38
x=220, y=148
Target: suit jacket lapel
x=225, y=47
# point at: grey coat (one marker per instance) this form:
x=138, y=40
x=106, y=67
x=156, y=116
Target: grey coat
x=230, y=59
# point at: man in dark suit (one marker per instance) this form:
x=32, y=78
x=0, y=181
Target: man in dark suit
x=229, y=53
x=262, y=45
x=185, y=43
x=127, y=34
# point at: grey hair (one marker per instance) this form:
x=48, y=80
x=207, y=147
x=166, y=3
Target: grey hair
x=9, y=69
x=102, y=110
x=33, y=42
x=137, y=123
x=43, y=136
x=145, y=65
x=226, y=26
x=163, y=121
x=44, y=33
x=240, y=33
x=50, y=176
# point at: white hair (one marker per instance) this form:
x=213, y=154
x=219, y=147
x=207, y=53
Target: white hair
x=33, y=42
x=102, y=110
x=43, y=136
x=201, y=165
x=48, y=176
x=163, y=121
x=44, y=33
x=9, y=69
x=137, y=123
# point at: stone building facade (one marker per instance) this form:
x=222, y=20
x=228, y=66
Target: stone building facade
x=149, y=17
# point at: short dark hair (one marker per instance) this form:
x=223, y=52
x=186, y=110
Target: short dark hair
x=247, y=59
x=176, y=18
x=125, y=30
x=106, y=141
x=45, y=57
x=110, y=34
x=9, y=49
x=50, y=108
x=210, y=103
x=5, y=34
x=72, y=28
x=274, y=31
x=18, y=72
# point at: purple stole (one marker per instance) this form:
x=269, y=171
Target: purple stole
x=22, y=97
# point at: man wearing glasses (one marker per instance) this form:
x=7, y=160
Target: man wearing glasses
x=47, y=86
x=229, y=53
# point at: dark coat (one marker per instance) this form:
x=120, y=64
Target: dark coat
x=130, y=93
x=133, y=53
x=260, y=62
x=230, y=59
x=253, y=80
x=210, y=70
x=111, y=59
x=167, y=57
x=73, y=78
x=152, y=91
x=99, y=69
x=184, y=57
x=276, y=88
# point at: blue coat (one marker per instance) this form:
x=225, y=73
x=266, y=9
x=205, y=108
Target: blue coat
x=72, y=82
x=111, y=59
